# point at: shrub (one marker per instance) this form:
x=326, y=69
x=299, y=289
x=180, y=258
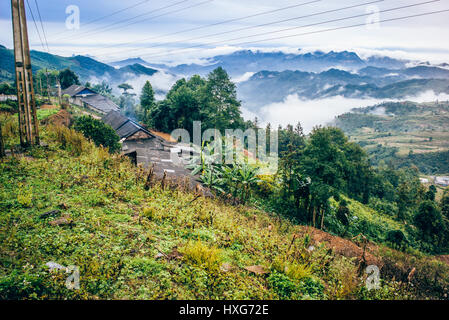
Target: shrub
x=69, y=139
x=396, y=237
x=294, y=269
x=25, y=197
x=313, y=288
x=199, y=254
x=429, y=221
x=282, y=285
x=99, y=132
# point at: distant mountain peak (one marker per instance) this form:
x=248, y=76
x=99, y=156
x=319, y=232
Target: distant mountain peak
x=129, y=61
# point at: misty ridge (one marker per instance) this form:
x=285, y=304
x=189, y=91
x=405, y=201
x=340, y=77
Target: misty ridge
x=275, y=87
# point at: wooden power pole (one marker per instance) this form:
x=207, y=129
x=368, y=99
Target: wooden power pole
x=28, y=123
x=2, y=146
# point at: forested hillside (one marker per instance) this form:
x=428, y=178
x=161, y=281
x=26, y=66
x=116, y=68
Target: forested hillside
x=404, y=134
x=71, y=203
x=306, y=231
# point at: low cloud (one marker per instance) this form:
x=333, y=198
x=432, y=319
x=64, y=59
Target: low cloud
x=322, y=111
x=244, y=77
x=160, y=81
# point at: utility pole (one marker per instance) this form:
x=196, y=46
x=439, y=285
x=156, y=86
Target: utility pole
x=59, y=91
x=2, y=146
x=48, y=86
x=28, y=123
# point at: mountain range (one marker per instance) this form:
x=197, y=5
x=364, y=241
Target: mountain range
x=266, y=77
x=87, y=68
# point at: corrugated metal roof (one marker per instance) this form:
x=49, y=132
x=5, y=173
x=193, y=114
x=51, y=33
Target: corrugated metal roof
x=115, y=119
x=124, y=126
x=74, y=89
x=128, y=129
x=100, y=103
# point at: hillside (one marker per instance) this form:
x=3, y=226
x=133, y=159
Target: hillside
x=406, y=133
x=166, y=243
x=390, y=84
x=86, y=68
x=240, y=62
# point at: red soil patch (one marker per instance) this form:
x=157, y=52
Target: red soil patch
x=443, y=258
x=62, y=118
x=163, y=135
x=48, y=106
x=344, y=247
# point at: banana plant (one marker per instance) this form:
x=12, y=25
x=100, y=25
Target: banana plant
x=247, y=177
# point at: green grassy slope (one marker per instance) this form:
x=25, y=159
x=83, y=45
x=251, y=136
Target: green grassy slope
x=84, y=67
x=406, y=133
x=161, y=243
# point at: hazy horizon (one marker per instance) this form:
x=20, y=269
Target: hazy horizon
x=158, y=31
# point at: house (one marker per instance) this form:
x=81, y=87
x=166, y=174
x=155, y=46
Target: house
x=127, y=129
x=147, y=149
x=4, y=97
x=85, y=97
x=99, y=103
x=442, y=181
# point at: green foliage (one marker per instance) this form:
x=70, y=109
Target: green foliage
x=120, y=229
x=213, y=101
x=7, y=89
x=199, y=254
x=67, y=78
x=68, y=139
x=100, y=133
x=125, y=87
x=444, y=203
x=147, y=101
x=237, y=180
x=282, y=285
x=103, y=88
x=397, y=238
x=429, y=221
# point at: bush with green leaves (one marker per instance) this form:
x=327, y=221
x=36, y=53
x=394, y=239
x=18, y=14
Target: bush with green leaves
x=99, y=132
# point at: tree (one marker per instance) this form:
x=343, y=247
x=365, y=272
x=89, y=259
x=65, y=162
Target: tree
x=343, y=214
x=430, y=194
x=223, y=107
x=444, y=204
x=67, y=78
x=429, y=221
x=147, y=101
x=396, y=238
x=7, y=89
x=99, y=132
x=185, y=100
x=2, y=145
x=125, y=87
x=103, y=88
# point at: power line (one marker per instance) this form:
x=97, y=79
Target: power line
x=35, y=25
x=114, y=25
x=264, y=24
x=217, y=23
x=94, y=30
x=306, y=33
x=109, y=15
x=42, y=25
x=116, y=12
x=355, y=25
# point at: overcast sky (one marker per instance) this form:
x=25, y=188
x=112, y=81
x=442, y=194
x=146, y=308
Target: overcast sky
x=144, y=30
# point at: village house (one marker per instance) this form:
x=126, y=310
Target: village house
x=85, y=97
x=5, y=97
x=147, y=148
x=442, y=181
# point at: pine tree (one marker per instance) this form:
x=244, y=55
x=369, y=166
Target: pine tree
x=147, y=101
